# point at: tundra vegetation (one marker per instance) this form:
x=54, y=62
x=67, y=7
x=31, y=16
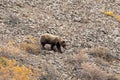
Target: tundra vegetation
x=90, y=27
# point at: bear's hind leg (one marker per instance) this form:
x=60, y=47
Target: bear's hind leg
x=43, y=45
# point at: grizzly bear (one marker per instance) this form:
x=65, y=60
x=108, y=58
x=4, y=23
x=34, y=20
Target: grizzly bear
x=53, y=40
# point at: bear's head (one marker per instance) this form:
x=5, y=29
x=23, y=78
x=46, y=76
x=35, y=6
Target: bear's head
x=63, y=44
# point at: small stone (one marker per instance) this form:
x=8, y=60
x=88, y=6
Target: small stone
x=117, y=40
x=77, y=19
x=116, y=32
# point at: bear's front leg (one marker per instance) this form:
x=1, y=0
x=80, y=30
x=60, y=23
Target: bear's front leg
x=59, y=48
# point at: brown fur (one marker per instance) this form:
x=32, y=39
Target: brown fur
x=53, y=41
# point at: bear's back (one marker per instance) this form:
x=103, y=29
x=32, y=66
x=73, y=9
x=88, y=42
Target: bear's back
x=50, y=38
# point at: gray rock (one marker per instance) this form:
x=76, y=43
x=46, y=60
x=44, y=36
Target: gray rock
x=117, y=40
x=116, y=32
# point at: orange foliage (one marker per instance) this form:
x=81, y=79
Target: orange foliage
x=29, y=44
x=11, y=47
x=9, y=70
x=108, y=13
x=30, y=39
x=30, y=47
x=117, y=17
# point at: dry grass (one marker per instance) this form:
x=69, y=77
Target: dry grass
x=117, y=76
x=91, y=71
x=85, y=68
x=9, y=70
x=30, y=47
x=103, y=53
x=29, y=44
x=99, y=51
x=77, y=58
x=109, y=13
x=10, y=47
x=81, y=56
x=30, y=39
x=48, y=72
x=100, y=61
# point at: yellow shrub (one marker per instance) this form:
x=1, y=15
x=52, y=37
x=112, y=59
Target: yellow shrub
x=9, y=70
x=29, y=44
x=117, y=17
x=11, y=47
x=30, y=47
x=108, y=13
x=30, y=39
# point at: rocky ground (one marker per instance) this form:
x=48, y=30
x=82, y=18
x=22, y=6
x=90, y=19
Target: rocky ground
x=93, y=38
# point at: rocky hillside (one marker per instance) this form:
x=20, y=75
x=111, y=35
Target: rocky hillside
x=91, y=30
